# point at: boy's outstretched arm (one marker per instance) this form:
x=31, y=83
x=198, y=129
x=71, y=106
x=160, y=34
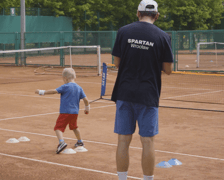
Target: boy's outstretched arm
x=87, y=105
x=43, y=92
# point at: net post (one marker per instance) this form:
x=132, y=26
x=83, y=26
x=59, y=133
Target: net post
x=99, y=60
x=85, y=42
x=112, y=43
x=16, y=47
x=61, y=57
x=23, y=30
x=216, y=55
x=198, y=54
x=173, y=41
x=70, y=51
x=62, y=63
x=191, y=42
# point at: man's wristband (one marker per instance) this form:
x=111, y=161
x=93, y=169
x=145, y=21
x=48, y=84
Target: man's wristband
x=41, y=92
x=87, y=108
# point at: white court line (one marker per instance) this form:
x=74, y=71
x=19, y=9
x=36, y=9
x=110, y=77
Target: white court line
x=64, y=165
x=30, y=96
x=89, y=82
x=38, y=96
x=28, y=116
x=185, y=88
x=49, y=113
x=162, y=86
x=9, y=78
x=93, y=83
x=193, y=94
x=109, y=144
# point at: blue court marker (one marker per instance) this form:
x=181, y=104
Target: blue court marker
x=211, y=61
x=174, y=162
x=163, y=164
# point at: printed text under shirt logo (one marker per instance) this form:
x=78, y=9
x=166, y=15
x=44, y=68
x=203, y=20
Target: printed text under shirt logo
x=140, y=44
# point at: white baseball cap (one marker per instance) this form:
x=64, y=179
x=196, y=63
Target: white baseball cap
x=148, y=5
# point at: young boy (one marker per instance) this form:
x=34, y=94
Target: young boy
x=71, y=93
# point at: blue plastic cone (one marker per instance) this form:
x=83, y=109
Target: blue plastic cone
x=174, y=162
x=163, y=164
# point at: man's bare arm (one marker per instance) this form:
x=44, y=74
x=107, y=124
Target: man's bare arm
x=117, y=61
x=167, y=68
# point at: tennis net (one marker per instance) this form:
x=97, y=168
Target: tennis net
x=210, y=56
x=82, y=57
x=199, y=91
x=193, y=91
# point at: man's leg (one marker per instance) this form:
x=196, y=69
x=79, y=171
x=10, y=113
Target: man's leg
x=125, y=125
x=148, y=128
x=148, y=156
x=122, y=155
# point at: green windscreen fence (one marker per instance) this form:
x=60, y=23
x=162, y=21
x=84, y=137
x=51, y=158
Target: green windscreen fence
x=36, y=23
x=184, y=45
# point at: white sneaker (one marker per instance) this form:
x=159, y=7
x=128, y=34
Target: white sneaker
x=61, y=147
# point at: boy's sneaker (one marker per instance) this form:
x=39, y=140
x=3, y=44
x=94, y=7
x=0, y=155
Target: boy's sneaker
x=61, y=147
x=79, y=144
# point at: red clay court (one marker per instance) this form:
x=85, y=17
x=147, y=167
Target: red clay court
x=194, y=137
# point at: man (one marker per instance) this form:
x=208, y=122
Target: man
x=141, y=52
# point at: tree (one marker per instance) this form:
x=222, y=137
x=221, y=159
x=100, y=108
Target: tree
x=195, y=14
x=165, y=21
x=54, y=5
x=112, y=14
x=216, y=13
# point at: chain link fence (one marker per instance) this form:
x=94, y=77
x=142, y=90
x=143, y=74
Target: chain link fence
x=184, y=44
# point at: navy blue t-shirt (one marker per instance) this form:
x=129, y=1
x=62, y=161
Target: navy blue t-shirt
x=143, y=48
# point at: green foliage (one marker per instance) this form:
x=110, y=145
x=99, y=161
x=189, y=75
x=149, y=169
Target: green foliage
x=195, y=14
x=112, y=14
x=165, y=21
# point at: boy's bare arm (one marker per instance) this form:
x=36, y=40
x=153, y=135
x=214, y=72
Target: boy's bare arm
x=87, y=105
x=86, y=102
x=51, y=91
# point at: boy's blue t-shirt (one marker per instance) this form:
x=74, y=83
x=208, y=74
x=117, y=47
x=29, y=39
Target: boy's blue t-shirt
x=71, y=93
x=143, y=48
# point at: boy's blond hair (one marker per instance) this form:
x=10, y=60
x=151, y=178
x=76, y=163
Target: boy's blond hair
x=69, y=73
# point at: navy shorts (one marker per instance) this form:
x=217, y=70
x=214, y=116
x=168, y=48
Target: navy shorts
x=128, y=113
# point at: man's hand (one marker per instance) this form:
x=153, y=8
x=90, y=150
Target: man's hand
x=167, y=68
x=117, y=61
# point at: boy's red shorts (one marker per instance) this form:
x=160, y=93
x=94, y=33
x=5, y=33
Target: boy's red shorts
x=65, y=119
